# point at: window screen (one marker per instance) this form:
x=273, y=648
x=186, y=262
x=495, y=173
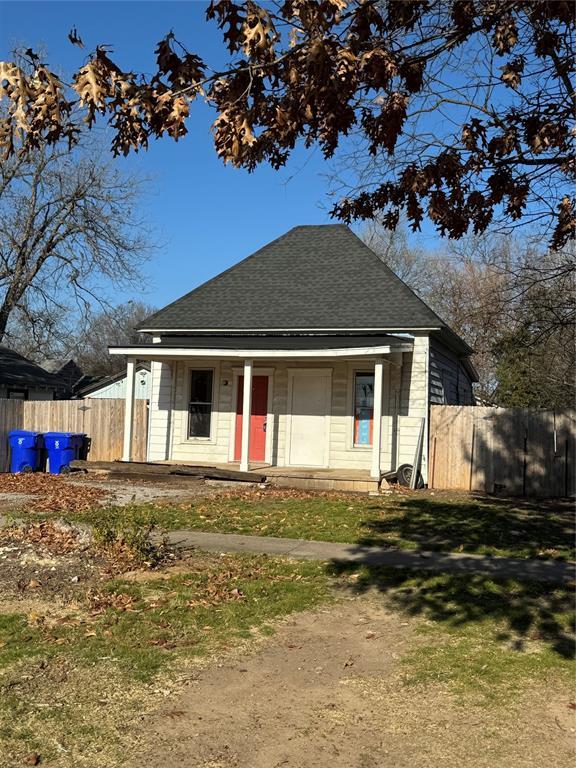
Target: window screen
x=200, y=406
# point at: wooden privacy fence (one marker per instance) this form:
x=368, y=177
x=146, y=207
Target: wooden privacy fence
x=102, y=420
x=516, y=451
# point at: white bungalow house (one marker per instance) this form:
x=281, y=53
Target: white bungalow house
x=335, y=359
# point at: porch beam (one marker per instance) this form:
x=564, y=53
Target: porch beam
x=157, y=351
x=129, y=409
x=377, y=419
x=246, y=411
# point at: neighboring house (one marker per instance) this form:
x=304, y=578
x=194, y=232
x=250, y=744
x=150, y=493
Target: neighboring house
x=115, y=385
x=69, y=374
x=21, y=379
x=343, y=361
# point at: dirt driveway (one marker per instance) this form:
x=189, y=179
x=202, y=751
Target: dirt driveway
x=326, y=692
x=44, y=493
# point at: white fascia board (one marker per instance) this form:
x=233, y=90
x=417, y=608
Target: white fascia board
x=146, y=353
x=311, y=331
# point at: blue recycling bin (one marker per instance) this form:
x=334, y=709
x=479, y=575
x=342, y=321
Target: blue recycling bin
x=62, y=448
x=25, y=450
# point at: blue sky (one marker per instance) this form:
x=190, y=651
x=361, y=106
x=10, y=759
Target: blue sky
x=206, y=216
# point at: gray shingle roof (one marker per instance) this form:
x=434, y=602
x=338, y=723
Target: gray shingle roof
x=18, y=371
x=311, y=278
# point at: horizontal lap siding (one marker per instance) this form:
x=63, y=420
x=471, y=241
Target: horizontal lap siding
x=449, y=382
x=404, y=401
x=342, y=454
x=279, y=409
x=413, y=403
x=217, y=448
x=160, y=411
x=118, y=388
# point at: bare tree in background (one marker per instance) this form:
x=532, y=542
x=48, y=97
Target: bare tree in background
x=69, y=231
x=412, y=264
x=465, y=288
x=511, y=301
x=113, y=327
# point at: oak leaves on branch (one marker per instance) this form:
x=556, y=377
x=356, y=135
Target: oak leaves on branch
x=314, y=71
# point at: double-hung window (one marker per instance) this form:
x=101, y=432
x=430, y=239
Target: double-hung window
x=363, y=408
x=201, y=403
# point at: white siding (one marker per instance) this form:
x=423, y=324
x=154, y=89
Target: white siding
x=160, y=421
x=142, y=387
x=449, y=382
x=411, y=395
x=215, y=448
x=404, y=404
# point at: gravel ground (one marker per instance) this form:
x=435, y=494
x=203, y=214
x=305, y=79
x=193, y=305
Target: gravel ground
x=124, y=492
x=33, y=492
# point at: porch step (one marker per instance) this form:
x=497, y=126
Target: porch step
x=307, y=479
x=368, y=485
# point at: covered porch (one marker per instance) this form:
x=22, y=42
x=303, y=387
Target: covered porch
x=306, y=423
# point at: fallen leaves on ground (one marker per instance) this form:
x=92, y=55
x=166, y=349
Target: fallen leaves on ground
x=57, y=538
x=99, y=602
x=215, y=591
x=54, y=493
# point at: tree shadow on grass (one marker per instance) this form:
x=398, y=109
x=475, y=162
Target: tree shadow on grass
x=480, y=525
x=520, y=612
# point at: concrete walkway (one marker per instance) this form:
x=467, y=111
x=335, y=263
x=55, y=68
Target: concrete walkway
x=501, y=567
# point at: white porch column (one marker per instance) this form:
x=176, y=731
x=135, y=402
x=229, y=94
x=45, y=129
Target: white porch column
x=246, y=411
x=377, y=419
x=129, y=409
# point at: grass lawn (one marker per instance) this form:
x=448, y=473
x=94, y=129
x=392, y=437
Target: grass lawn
x=442, y=523
x=74, y=672
x=485, y=639
x=82, y=663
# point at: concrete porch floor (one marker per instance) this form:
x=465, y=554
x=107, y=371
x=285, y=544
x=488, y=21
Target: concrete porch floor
x=308, y=478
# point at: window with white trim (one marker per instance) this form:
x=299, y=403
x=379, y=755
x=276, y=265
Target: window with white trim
x=363, y=408
x=201, y=403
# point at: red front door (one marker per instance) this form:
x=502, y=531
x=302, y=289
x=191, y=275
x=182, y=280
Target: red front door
x=257, y=418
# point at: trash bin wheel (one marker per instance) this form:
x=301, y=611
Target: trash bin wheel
x=27, y=468
x=65, y=470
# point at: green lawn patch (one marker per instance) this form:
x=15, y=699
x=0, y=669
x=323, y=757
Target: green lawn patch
x=69, y=677
x=484, y=525
x=484, y=639
x=144, y=623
